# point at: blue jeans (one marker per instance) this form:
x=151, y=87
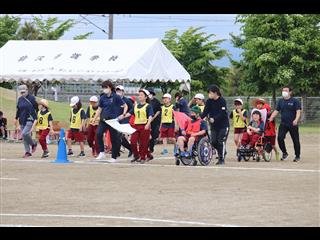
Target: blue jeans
x=26, y=136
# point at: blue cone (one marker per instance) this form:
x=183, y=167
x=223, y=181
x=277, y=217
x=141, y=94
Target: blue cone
x=62, y=149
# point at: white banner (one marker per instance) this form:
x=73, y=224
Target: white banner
x=123, y=128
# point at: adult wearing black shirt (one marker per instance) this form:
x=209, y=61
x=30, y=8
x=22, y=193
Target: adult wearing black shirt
x=290, y=110
x=216, y=110
x=156, y=119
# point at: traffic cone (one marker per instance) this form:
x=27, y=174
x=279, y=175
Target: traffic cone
x=62, y=149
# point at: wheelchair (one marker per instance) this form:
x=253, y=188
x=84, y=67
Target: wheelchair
x=202, y=151
x=262, y=148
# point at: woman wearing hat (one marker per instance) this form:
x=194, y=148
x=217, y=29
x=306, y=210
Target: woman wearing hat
x=240, y=119
x=143, y=113
x=44, y=125
x=27, y=109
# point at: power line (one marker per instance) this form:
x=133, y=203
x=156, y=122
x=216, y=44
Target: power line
x=93, y=24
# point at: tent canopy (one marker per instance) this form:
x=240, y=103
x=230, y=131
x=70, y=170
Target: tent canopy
x=130, y=60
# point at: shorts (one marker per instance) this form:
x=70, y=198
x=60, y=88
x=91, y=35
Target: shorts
x=239, y=130
x=167, y=132
x=76, y=136
x=271, y=139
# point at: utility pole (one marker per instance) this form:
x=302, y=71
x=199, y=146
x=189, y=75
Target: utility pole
x=110, y=32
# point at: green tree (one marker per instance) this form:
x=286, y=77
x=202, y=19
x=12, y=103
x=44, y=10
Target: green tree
x=280, y=49
x=8, y=28
x=196, y=51
x=28, y=32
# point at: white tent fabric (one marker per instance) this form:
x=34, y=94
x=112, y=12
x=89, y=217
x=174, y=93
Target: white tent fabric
x=130, y=60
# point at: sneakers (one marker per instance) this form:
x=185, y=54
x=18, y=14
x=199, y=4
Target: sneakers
x=220, y=162
x=27, y=154
x=164, y=152
x=45, y=154
x=70, y=152
x=184, y=154
x=82, y=154
x=149, y=158
x=34, y=147
x=130, y=154
x=296, y=159
x=142, y=161
x=112, y=160
x=101, y=156
x=284, y=156
x=135, y=159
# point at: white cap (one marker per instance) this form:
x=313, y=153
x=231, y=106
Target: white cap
x=120, y=87
x=199, y=96
x=93, y=99
x=22, y=88
x=145, y=91
x=74, y=100
x=167, y=95
x=238, y=100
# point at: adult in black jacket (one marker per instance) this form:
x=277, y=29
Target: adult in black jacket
x=216, y=111
x=155, y=124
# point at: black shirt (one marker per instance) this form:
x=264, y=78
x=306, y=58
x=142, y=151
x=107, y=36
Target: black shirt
x=217, y=109
x=288, y=109
x=156, y=106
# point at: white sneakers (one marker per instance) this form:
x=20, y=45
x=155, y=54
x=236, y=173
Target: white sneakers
x=112, y=160
x=102, y=156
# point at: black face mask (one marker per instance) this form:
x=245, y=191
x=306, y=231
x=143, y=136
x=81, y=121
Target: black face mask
x=194, y=117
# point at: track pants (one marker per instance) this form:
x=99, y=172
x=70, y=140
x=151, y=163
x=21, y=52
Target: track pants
x=114, y=135
x=218, y=141
x=154, y=135
x=43, y=138
x=140, y=136
x=294, y=133
x=92, y=137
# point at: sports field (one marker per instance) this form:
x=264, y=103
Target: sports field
x=36, y=192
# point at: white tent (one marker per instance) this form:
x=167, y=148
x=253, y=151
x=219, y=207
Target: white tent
x=130, y=60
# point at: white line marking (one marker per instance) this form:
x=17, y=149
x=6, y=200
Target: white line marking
x=123, y=161
x=19, y=225
x=12, y=179
x=117, y=217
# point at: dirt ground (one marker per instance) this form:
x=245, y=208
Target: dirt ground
x=36, y=192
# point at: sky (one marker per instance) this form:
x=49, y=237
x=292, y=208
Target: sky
x=128, y=26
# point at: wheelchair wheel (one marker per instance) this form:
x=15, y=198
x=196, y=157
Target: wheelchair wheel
x=266, y=156
x=267, y=152
x=205, y=151
x=186, y=161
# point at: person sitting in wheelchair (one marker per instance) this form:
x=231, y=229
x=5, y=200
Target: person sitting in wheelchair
x=254, y=130
x=194, y=130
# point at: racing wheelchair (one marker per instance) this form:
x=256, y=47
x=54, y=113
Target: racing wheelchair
x=202, y=151
x=262, y=147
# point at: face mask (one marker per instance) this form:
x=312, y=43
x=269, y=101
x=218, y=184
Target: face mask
x=150, y=96
x=285, y=94
x=106, y=90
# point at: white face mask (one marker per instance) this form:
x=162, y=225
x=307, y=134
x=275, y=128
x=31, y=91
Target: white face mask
x=285, y=94
x=150, y=96
x=106, y=90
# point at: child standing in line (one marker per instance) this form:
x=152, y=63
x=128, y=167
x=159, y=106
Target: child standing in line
x=44, y=125
x=240, y=118
x=92, y=126
x=77, y=125
x=143, y=113
x=167, y=125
